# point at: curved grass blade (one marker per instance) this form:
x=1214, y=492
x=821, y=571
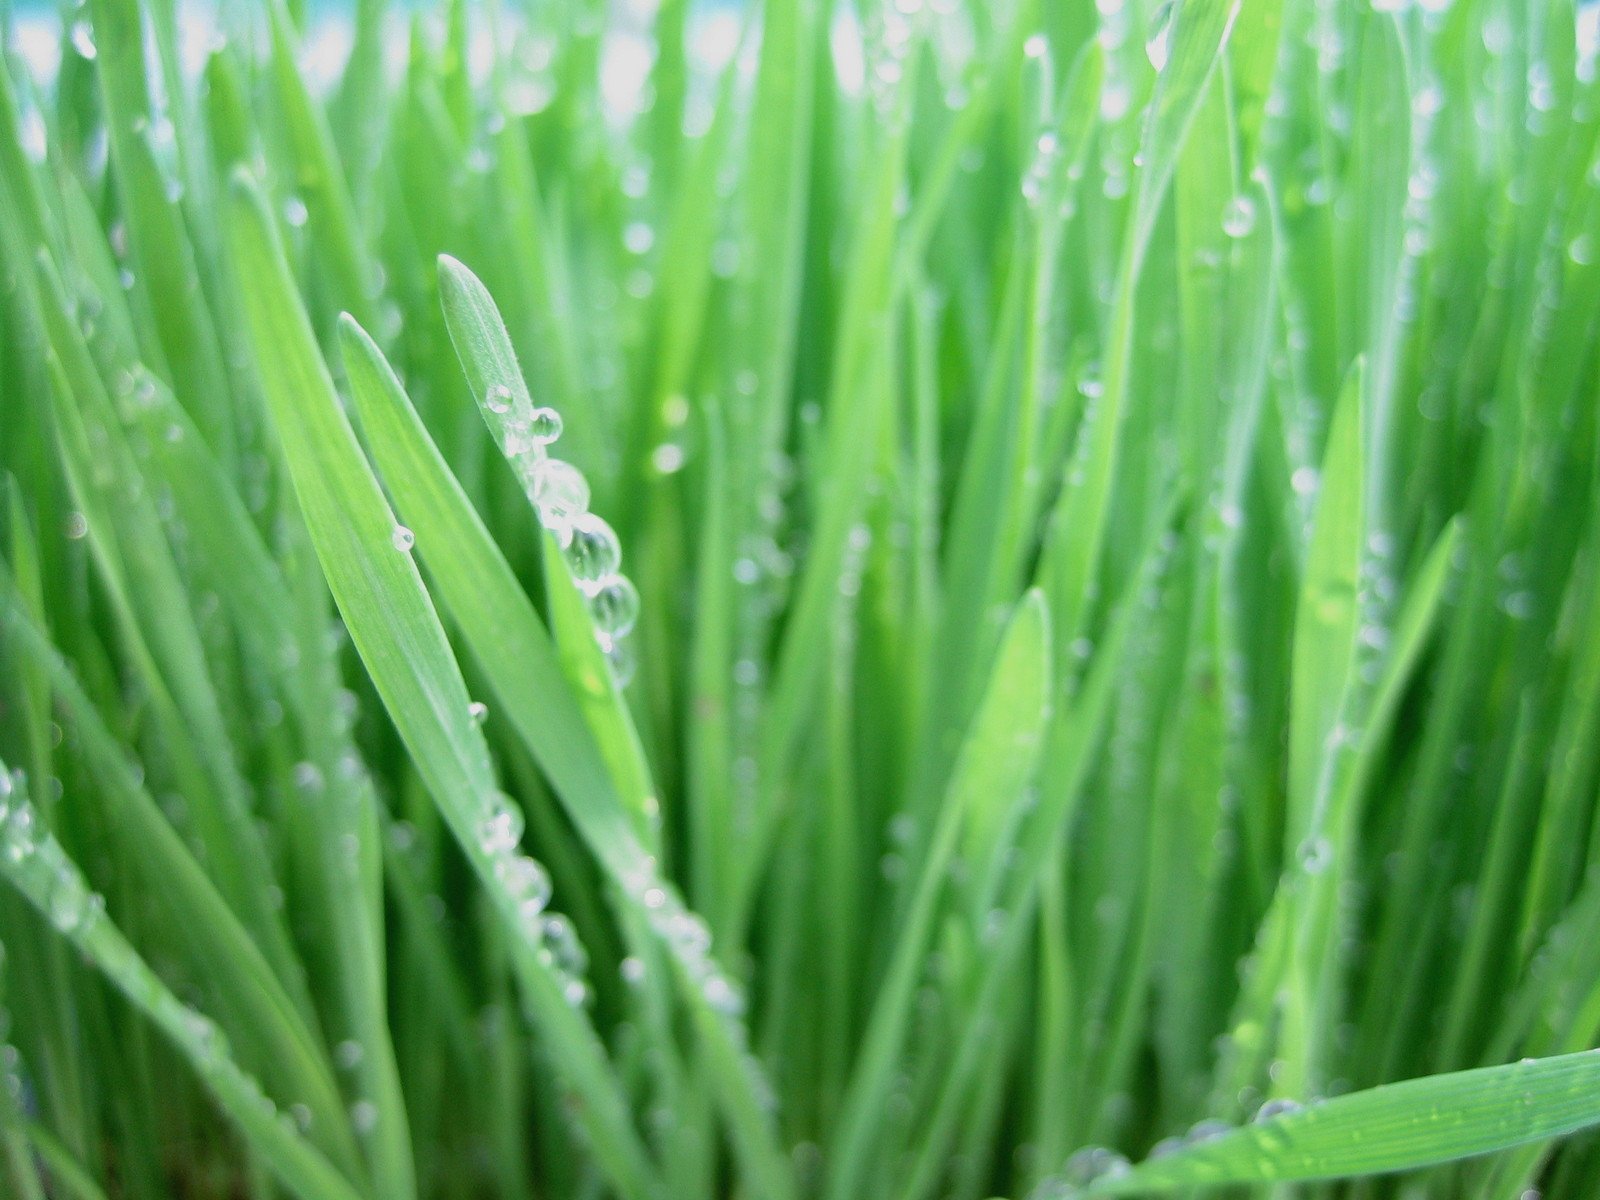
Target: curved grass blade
x=489, y=362
x=36, y=865
x=1396, y=1127
x=250, y=996
x=365, y=557
x=530, y=677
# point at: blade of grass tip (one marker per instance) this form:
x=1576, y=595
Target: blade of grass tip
x=1076, y=730
x=1194, y=1000
x=35, y=864
x=1396, y=1127
x=490, y=365
x=1321, y=936
x=1001, y=472
x=589, y=561
x=1035, y=846
x=500, y=624
x=366, y=559
x=616, y=812
x=1324, y=694
x=1275, y=994
x=1003, y=742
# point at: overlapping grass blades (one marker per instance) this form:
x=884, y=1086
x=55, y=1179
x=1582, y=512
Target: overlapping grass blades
x=1066, y=611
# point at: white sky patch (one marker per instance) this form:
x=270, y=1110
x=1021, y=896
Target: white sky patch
x=1588, y=39
x=849, y=52
x=38, y=42
x=324, y=51
x=625, y=60
x=714, y=37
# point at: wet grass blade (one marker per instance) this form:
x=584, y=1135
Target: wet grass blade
x=366, y=557
x=1397, y=1127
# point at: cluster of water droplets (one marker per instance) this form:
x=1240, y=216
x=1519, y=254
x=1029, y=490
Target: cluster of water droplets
x=212, y=1053
x=526, y=882
x=560, y=495
x=685, y=935
x=34, y=861
x=888, y=33
x=1097, y=1164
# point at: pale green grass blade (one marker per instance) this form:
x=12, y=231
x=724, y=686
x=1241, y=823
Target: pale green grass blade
x=34, y=863
x=616, y=838
x=288, y=1054
x=394, y=627
x=479, y=590
x=1001, y=750
x=1398, y=1127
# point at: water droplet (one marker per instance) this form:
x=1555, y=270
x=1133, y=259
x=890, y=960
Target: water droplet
x=477, y=712
x=544, y=426
x=1207, y=1130
x=667, y=458
x=594, y=553
x=18, y=835
x=209, y=1044
x=623, y=663
x=575, y=992
x=1239, y=216
x=1158, y=49
x=402, y=538
x=562, y=941
x=499, y=399
x=528, y=884
x=1316, y=855
x=348, y=1054
x=83, y=39
x=67, y=903
x=501, y=829
x=364, y=1116
x=722, y=996
x=614, y=607
x=559, y=491
x=638, y=237
x=1095, y=1163
x=1277, y=1108
x=690, y=935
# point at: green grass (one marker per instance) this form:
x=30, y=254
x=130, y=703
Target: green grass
x=966, y=596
